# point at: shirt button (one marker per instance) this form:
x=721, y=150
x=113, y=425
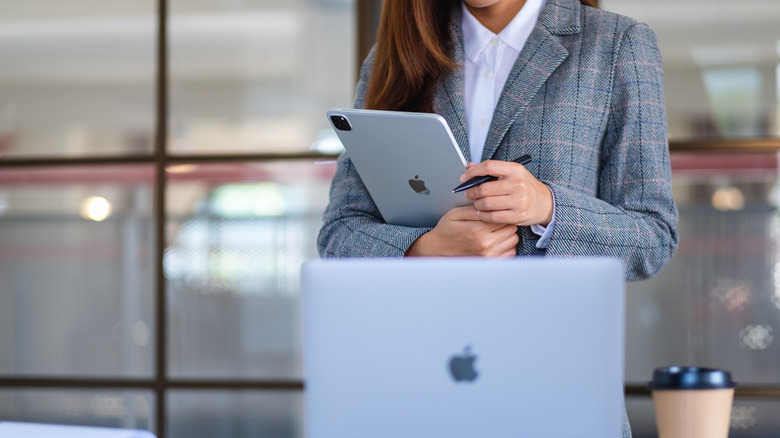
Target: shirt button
x=488, y=74
x=482, y=122
x=493, y=41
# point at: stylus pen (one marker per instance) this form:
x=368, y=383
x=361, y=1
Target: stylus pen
x=477, y=180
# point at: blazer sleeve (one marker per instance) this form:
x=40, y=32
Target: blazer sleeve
x=634, y=216
x=352, y=225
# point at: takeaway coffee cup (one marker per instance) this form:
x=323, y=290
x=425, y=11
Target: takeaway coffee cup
x=692, y=402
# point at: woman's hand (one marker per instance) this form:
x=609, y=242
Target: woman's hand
x=460, y=232
x=516, y=197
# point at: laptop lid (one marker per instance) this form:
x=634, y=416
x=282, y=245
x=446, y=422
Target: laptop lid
x=463, y=347
x=409, y=162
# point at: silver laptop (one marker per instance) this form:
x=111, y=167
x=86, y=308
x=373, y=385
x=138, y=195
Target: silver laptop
x=463, y=347
x=409, y=162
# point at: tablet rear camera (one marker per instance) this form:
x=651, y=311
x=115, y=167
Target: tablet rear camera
x=341, y=123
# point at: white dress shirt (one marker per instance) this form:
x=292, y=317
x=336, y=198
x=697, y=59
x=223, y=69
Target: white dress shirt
x=489, y=60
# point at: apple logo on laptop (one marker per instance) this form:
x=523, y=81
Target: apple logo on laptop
x=418, y=185
x=462, y=366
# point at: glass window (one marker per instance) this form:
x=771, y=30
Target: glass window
x=78, y=239
x=130, y=409
x=76, y=271
x=717, y=304
x=721, y=64
x=235, y=414
x=258, y=75
x=237, y=235
x=77, y=77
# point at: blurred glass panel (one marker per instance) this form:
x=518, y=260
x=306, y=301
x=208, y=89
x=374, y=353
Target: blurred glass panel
x=236, y=237
x=641, y=416
x=717, y=304
x=258, y=75
x=77, y=77
x=750, y=417
x=76, y=271
x=235, y=414
x=721, y=64
x=96, y=408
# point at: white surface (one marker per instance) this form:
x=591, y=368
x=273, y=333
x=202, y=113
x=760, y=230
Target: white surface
x=489, y=60
x=30, y=430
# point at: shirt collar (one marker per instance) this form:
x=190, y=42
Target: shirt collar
x=476, y=36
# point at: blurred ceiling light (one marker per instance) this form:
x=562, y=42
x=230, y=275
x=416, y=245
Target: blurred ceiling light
x=181, y=168
x=728, y=198
x=756, y=337
x=249, y=200
x=95, y=208
x=327, y=142
x=735, y=94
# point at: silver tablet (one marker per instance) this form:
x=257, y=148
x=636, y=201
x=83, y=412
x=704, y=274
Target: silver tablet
x=410, y=162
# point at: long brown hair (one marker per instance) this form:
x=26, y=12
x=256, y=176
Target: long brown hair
x=413, y=52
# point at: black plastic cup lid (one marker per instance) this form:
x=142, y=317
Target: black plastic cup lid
x=690, y=378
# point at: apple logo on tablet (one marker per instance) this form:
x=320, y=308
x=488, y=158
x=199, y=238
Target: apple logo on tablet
x=462, y=366
x=418, y=186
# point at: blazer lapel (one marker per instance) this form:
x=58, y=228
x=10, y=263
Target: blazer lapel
x=540, y=57
x=449, y=97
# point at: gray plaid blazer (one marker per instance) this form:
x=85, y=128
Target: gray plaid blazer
x=585, y=99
